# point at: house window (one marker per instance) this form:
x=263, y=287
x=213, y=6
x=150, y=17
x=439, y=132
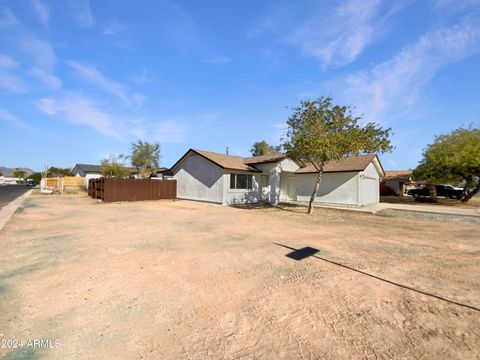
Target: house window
x=265, y=181
x=240, y=181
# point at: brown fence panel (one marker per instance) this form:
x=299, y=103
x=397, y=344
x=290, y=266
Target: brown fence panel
x=111, y=189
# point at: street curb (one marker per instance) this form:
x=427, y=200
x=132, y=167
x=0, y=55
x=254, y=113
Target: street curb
x=8, y=210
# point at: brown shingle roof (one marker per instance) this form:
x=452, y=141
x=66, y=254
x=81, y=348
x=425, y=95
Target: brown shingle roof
x=264, y=158
x=398, y=175
x=226, y=161
x=351, y=163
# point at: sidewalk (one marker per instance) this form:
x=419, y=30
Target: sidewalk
x=8, y=210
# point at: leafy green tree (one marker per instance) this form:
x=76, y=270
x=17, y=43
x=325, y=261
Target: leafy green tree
x=454, y=158
x=264, y=148
x=20, y=174
x=145, y=157
x=114, y=166
x=319, y=132
x=55, y=171
x=36, y=177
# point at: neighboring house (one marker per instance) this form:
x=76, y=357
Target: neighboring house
x=225, y=179
x=87, y=171
x=398, y=180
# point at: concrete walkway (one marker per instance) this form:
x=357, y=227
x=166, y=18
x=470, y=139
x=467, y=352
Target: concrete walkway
x=433, y=209
x=8, y=210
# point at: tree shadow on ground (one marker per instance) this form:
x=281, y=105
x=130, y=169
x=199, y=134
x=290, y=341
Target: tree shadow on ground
x=303, y=253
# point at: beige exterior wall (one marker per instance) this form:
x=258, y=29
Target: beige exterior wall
x=200, y=179
x=336, y=188
x=241, y=196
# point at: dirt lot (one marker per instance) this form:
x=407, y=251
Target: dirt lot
x=184, y=280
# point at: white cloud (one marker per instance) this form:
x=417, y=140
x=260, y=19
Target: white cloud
x=217, y=60
x=12, y=83
x=8, y=80
x=12, y=120
x=80, y=110
x=335, y=34
x=7, y=62
x=139, y=99
x=7, y=19
x=169, y=131
x=455, y=6
x=42, y=12
x=41, y=52
x=82, y=13
x=394, y=86
x=142, y=78
x=113, y=28
x=90, y=74
x=46, y=78
x=340, y=37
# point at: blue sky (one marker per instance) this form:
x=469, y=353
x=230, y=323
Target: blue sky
x=80, y=80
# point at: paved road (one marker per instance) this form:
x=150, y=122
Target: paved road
x=11, y=192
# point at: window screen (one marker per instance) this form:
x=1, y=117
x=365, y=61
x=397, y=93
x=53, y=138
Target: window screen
x=241, y=181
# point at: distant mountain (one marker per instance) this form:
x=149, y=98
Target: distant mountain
x=9, y=171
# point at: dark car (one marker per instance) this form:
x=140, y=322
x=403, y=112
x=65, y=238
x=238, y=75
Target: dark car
x=447, y=191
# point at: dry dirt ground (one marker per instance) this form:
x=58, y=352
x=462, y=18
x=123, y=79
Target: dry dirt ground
x=185, y=280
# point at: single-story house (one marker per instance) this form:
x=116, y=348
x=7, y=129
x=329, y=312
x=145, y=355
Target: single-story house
x=87, y=171
x=398, y=180
x=226, y=179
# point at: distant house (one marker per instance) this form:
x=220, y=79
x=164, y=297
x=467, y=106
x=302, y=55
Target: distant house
x=87, y=171
x=225, y=179
x=398, y=180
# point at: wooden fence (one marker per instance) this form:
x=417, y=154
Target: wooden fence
x=112, y=189
x=66, y=183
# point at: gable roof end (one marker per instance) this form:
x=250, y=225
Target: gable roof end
x=88, y=168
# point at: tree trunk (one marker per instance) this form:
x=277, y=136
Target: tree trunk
x=315, y=191
x=471, y=193
x=433, y=192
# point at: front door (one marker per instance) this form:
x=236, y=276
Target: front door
x=292, y=188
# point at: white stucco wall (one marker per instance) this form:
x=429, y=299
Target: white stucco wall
x=369, y=185
x=199, y=179
x=340, y=188
x=241, y=196
x=91, y=176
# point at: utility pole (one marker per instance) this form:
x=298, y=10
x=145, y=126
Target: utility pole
x=227, y=151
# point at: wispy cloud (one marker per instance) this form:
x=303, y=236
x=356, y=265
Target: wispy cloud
x=142, y=78
x=10, y=119
x=169, y=131
x=394, y=86
x=48, y=79
x=455, y=6
x=92, y=75
x=7, y=62
x=336, y=34
x=82, y=13
x=8, y=79
x=40, y=51
x=217, y=60
x=7, y=19
x=42, y=12
x=343, y=35
x=82, y=111
x=113, y=28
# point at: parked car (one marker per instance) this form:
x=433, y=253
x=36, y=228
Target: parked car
x=447, y=191
x=386, y=190
x=30, y=182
